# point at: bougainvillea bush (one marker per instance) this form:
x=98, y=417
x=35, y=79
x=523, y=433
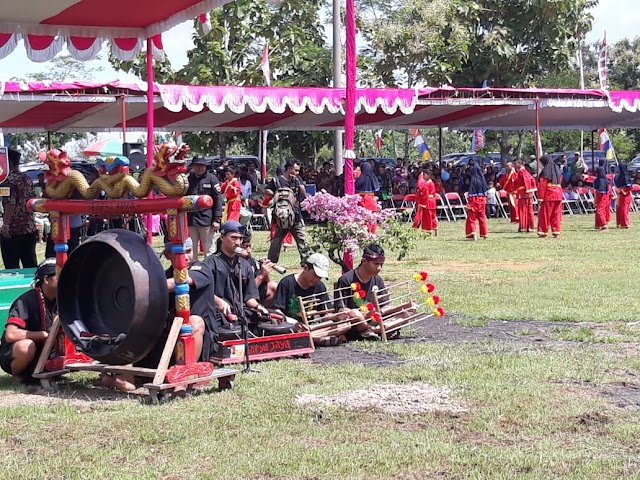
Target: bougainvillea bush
x=344, y=227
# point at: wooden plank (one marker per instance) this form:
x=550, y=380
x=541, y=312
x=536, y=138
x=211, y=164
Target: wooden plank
x=163, y=365
x=100, y=367
x=218, y=373
x=57, y=373
x=48, y=345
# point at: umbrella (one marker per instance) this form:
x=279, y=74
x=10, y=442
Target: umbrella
x=104, y=148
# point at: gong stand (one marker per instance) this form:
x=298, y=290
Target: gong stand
x=187, y=371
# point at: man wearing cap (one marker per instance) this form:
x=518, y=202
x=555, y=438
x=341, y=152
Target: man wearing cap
x=304, y=284
x=366, y=276
x=232, y=273
x=30, y=318
x=18, y=241
x=204, y=223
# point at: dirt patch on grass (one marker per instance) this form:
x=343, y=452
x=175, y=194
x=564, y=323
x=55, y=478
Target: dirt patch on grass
x=394, y=399
x=622, y=394
x=68, y=394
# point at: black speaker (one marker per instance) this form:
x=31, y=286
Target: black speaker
x=135, y=153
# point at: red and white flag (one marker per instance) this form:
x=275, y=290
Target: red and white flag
x=264, y=64
x=378, y=136
x=205, y=22
x=602, y=63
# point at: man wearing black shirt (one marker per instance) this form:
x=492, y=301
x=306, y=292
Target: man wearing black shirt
x=366, y=276
x=30, y=318
x=230, y=271
x=261, y=270
x=204, y=223
x=289, y=180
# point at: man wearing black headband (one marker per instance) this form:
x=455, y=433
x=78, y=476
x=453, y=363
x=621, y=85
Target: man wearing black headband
x=30, y=318
x=367, y=276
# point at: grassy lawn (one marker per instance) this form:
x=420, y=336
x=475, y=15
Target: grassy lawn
x=530, y=410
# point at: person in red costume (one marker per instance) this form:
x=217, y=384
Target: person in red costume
x=367, y=186
x=508, y=182
x=525, y=187
x=477, y=205
x=550, y=197
x=623, y=184
x=231, y=190
x=426, y=201
x=602, y=189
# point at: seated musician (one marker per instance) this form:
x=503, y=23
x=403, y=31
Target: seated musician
x=261, y=270
x=205, y=319
x=232, y=273
x=309, y=283
x=367, y=276
x=30, y=319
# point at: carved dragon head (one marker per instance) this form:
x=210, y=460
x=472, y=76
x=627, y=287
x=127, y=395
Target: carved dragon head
x=170, y=160
x=57, y=165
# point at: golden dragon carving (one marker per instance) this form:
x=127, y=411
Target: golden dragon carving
x=168, y=174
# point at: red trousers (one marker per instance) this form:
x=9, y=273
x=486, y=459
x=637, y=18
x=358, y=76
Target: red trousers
x=476, y=210
x=369, y=202
x=426, y=219
x=623, y=204
x=513, y=207
x=550, y=214
x=603, y=210
x=526, y=218
x=232, y=211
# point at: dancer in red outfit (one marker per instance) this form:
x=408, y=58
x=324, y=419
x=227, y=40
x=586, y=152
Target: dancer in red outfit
x=602, y=190
x=477, y=205
x=550, y=198
x=231, y=190
x=623, y=184
x=367, y=186
x=509, y=185
x=525, y=187
x=426, y=201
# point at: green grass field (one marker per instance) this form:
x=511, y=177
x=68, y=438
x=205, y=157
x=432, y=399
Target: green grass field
x=532, y=410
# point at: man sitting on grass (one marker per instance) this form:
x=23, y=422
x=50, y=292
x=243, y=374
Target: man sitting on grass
x=30, y=319
x=309, y=283
x=366, y=277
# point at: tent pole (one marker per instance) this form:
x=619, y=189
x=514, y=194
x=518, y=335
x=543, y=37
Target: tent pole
x=440, y=149
x=124, y=124
x=337, y=83
x=537, y=139
x=350, y=114
x=149, y=127
x=593, y=147
x=49, y=145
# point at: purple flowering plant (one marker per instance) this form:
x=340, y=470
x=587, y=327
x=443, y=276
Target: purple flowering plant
x=343, y=227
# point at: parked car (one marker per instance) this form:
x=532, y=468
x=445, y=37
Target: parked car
x=33, y=169
x=589, y=160
x=389, y=163
x=491, y=158
x=634, y=166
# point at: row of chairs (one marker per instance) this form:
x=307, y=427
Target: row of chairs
x=451, y=206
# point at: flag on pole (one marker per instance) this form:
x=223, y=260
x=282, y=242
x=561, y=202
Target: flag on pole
x=264, y=64
x=423, y=148
x=602, y=63
x=378, y=137
x=605, y=144
x=538, y=145
x=205, y=22
x=477, y=142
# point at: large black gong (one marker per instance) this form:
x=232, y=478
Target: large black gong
x=113, y=298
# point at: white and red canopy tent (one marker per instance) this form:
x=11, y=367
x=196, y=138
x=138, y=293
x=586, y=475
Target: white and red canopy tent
x=83, y=26
x=85, y=106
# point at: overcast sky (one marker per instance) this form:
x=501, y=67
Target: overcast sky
x=619, y=18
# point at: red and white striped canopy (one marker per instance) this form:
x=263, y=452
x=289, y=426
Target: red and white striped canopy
x=84, y=25
x=83, y=106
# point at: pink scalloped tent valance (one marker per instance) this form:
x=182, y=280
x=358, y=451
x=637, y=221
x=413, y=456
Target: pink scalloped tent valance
x=83, y=26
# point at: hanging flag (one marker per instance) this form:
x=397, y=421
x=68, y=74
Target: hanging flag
x=605, y=144
x=264, y=64
x=423, y=148
x=205, y=22
x=378, y=137
x=477, y=142
x=602, y=63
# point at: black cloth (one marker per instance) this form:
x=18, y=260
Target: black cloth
x=344, y=294
x=31, y=311
x=601, y=183
x=262, y=288
x=226, y=281
x=19, y=249
x=622, y=178
x=478, y=185
x=550, y=171
x=367, y=182
x=294, y=184
x=289, y=290
x=208, y=184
